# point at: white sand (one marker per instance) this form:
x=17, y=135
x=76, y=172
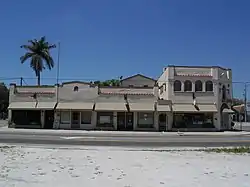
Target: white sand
x=107, y=167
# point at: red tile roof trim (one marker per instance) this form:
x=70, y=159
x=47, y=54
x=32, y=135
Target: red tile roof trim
x=111, y=93
x=35, y=92
x=194, y=75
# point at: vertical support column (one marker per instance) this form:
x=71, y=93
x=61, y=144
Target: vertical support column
x=42, y=118
x=94, y=119
x=115, y=120
x=170, y=120
x=217, y=121
x=135, y=121
x=156, y=121
x=56, y=124
x=70, y=124
x=9, y=115
x=167, y=121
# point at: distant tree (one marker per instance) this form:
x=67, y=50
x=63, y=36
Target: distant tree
x=111, y=82
x=4, y=99
x=236, y=101
x=38, y=51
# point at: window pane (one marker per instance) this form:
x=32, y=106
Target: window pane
x=177, y=86
x=105, y=119
x=86, y=117
x=65, y=117
x=187, y=86
x=209, y=86
x=145, y=119
x=198, y=86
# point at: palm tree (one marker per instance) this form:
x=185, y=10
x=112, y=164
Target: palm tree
x=38, y=51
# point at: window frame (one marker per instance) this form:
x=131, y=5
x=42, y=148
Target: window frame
x=65, y=121
x=150, y=124
x=186, y=82
x=207, y=84
x=179, y=82
x=85, y=113
x=196, y=84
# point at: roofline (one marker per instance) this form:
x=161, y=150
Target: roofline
x=200, y=67
x=139, y=75
x=35, y=86
x=72, y=82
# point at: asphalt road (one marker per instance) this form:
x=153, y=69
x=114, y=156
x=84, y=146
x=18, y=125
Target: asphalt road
x=106, y=139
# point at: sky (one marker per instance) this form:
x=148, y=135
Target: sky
x=112, y=38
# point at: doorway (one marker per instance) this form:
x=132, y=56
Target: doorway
x=49, y=119
x=162, y=122
x=75, y=124
x=125, y=121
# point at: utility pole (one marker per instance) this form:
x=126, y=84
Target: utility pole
x=21, y=81
x=245, y=102
x=57, y=74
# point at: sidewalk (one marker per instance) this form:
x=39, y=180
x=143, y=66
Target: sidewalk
x=118, y=133
x=3, y=123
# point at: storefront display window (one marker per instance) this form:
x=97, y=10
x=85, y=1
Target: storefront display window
x=189, y=120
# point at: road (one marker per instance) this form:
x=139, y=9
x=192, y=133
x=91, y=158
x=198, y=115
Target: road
x=44, y=137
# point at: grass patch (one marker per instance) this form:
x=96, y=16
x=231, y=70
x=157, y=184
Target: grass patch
x=236, y=150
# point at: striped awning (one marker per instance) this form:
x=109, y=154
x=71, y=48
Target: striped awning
x=142, y=106
x=110, y=106
x=163, y=108
x=46, y=105
x=75, y=106
x=22, y=105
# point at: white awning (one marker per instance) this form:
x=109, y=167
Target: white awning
x=184, y=108
x=142, y=106
x=226, y=110
x=46, y=105
x=22, y=105
x=163, y=108
x=207, y=108
x=75, y=106
x=110, y=107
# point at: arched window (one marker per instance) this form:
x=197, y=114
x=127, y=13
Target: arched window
x=224, y=92
x=177, y=86
x=198, y=86
x=209, y=86
x=187, y=86
x=76, y=89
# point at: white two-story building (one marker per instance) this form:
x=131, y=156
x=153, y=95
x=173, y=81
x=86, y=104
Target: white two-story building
x=200, y=96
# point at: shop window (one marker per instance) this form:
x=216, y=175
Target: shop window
x=105, y=119
x=86, y=117
x=189, y=120
x=187, y=86
x=198, y=86
x=65, y=117
x=177, y=86
x=209, y=86
x=145, y=119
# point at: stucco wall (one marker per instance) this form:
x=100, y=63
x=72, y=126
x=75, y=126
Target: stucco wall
x=138, y=81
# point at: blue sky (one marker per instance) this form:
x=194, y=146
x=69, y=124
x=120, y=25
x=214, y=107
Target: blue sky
x=107, y=39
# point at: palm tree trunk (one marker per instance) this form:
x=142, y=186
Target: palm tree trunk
x=38, y=79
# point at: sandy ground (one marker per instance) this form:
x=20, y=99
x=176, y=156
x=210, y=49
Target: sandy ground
x=112, y=167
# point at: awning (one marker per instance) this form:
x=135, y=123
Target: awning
x=226, y=110
x=46, y=105
x=75, y=106
x=110, y=107
x=207, y=108
x=184, y=108
x=142, y=106
x=22, y=105
x=163, y=108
